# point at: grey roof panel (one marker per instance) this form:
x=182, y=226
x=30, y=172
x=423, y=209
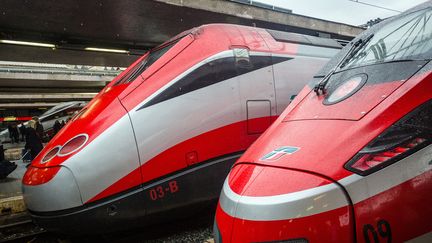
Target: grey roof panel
x=303, y=39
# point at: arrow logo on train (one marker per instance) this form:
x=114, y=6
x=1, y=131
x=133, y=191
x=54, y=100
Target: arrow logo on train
x=279, y=152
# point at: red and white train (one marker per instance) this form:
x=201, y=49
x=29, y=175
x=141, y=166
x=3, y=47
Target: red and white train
x=162, y=136
x=350, y=159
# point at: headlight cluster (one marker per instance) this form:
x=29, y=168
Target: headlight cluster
x=71, y=146
x=407, y=136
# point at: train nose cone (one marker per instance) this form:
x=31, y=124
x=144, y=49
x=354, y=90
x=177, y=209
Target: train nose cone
x=44, y=194
x=260, y=204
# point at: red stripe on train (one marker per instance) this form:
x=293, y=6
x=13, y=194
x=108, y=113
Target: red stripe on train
x=221, y=141
x=399, y=204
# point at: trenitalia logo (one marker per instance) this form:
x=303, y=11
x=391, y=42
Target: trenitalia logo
x=278, y=153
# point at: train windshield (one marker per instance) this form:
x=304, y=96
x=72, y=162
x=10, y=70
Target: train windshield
x=407, y=38
x=140, y=67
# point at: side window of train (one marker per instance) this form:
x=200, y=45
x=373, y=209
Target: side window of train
x=210, y=73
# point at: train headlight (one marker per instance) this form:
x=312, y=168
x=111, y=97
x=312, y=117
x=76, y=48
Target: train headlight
x=73, y=145
x=408, y=135
x=51, y=154
x=37, y=176
x=346, y=89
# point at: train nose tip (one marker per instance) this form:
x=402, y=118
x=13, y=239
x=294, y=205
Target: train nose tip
x=50, y=189
x=275, y=202
x=295, y=204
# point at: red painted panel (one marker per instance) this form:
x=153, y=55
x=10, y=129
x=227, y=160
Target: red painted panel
x=331, y=226
x=335, y=142
x=242, y=175
x=353, y=108
x=270, y=181
x=36, y=176
x=406, y=208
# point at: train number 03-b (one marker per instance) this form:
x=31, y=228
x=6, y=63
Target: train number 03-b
x=382, y=232
x=162, y=190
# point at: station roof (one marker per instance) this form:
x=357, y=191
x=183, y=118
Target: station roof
x=71, y=26
x=138, y=25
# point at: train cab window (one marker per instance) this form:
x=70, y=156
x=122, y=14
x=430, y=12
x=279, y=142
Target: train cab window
x=140, y=67
x=405, y=39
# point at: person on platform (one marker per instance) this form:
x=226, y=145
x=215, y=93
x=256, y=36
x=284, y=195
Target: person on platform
x=15, y=133
x=56, y=128
x=22, y=130
x=10, y=133
x=33, y=141
x=39, y=128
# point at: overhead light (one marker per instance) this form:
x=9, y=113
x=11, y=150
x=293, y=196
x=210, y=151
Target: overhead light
x=105, y=50
x=27, y=43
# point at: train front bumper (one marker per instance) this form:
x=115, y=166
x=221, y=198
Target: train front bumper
x=275, y=204
x=59, y=193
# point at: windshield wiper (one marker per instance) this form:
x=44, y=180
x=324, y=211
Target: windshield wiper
x=405, y=60
x=355, y=47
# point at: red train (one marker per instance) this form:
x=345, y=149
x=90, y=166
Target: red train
x=162, y=136
x=350, y=159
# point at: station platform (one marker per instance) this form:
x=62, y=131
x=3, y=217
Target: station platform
x=11, y=199
x=13, y=145
x=13, y=151
x=11, y=186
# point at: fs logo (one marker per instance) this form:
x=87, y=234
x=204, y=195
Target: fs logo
x=279, y=152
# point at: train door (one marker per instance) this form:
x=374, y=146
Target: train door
x=257, y=94
x=188, y=134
